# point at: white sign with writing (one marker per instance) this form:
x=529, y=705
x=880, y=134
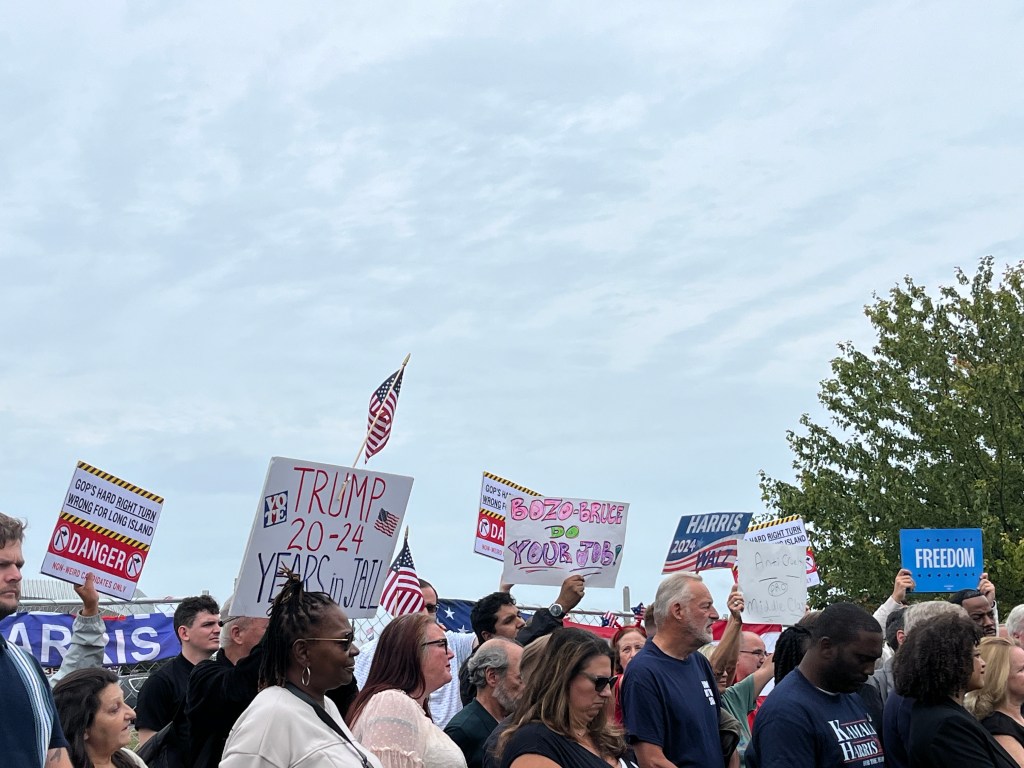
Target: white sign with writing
x=773, y=580
x=105, y=527
x=339, y=536
x=490, y=522
x=548, y=539
x=790, y=530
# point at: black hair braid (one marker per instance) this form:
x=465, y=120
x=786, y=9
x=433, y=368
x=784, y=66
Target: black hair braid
x=293, y=614
x=789, y=650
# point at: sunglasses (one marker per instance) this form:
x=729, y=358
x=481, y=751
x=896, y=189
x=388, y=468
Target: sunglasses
x=430, y=607
x=600, y=683
x=344, y=642
x=439, y=643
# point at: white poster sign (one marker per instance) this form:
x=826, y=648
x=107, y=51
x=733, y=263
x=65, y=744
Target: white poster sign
x=340, y=542
x=495, y=492
x=788, y=530
x=548, y=539
x=773, y=580
x=105, y=527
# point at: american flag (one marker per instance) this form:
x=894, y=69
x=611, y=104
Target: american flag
x=382, y=413
x=386, y=522
x=402, y=593
x=639, y=611
x=610, y=619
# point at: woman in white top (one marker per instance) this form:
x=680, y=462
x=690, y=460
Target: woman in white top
x=390, y=716
x=308, y=650
x=95, y=720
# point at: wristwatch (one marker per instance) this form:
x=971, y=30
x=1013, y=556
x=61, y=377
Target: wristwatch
x=556, y=610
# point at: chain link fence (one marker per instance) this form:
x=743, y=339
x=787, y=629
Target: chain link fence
x=367, y=630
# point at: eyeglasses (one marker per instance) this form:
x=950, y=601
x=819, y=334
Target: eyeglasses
x=344, y=642
x=600, y=683
x=430, y=607
x=224, y=622
x=759, y=653
x=443, y=643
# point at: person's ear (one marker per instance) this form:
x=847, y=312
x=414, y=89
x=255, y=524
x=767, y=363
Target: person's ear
x=300, y=652
x=492, y=676
x=901, y=636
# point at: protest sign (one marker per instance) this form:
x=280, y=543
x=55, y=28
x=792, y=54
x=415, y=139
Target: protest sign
x=490, y=522
x=105, y=527
x=942, y=559
x=788, y=530
x=549, y=539
x=773, y=579
x=130, y=639
x=706, y=541
x=340, y=543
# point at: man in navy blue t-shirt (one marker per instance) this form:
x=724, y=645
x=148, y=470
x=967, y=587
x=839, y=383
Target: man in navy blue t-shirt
x=814, y=716
x=30, y=732
x=670, y=701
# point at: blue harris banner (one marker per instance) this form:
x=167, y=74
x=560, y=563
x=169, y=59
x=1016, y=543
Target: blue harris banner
x=706, y=541
x=130, y=639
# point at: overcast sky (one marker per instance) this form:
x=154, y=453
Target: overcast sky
x=621, y=242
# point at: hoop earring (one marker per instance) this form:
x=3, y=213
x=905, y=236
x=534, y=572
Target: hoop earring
x=305, y=676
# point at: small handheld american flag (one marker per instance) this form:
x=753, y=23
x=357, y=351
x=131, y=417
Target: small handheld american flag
x=402, y=593
x=383, y=403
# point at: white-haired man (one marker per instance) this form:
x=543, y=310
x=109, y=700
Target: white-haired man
x=670, y=701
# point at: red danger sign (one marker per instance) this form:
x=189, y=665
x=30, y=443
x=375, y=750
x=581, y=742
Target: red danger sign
x=490, y=529
x=96, y=551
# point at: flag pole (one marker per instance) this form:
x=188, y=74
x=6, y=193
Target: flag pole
x=366, y=439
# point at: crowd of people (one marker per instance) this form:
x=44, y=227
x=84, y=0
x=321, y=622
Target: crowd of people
x=930, y=684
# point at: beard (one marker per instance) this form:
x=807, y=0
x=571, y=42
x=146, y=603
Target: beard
x=504, y=697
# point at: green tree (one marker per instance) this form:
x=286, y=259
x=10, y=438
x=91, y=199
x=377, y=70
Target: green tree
x=927, y=431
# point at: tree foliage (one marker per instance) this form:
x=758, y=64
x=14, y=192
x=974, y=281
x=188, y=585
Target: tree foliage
x=927, y=431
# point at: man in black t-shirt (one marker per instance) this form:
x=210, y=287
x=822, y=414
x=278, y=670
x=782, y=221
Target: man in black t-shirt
x=197, y=624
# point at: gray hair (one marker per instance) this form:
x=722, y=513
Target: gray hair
x=1015, y=621
x=921, y=612
x=674, y=589
x=492, y=654
x=227, y=621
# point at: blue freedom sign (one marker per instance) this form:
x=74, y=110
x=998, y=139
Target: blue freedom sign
x=706, y=541
x=942, y=559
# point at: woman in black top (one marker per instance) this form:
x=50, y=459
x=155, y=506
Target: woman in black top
x=561, y=719
x=998, y=703
x=936, y=665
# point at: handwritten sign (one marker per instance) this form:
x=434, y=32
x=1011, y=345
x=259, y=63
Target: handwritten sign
x=706, y=541
x=774, y=582
x=105, y=527
x=788, y=530
x=942, y=559
x=340, y=543
x=549, y=539
x=490, y=522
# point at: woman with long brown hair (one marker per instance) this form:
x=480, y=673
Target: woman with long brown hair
x=391, y=715
x=561, y=719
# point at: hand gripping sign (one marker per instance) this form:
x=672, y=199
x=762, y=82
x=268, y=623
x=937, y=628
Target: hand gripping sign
x=105, y=527
x=549, y=539
x=340, y=541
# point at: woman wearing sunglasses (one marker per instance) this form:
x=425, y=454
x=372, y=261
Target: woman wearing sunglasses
x=391, y=715
x=308, y=650
x=562, y=718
